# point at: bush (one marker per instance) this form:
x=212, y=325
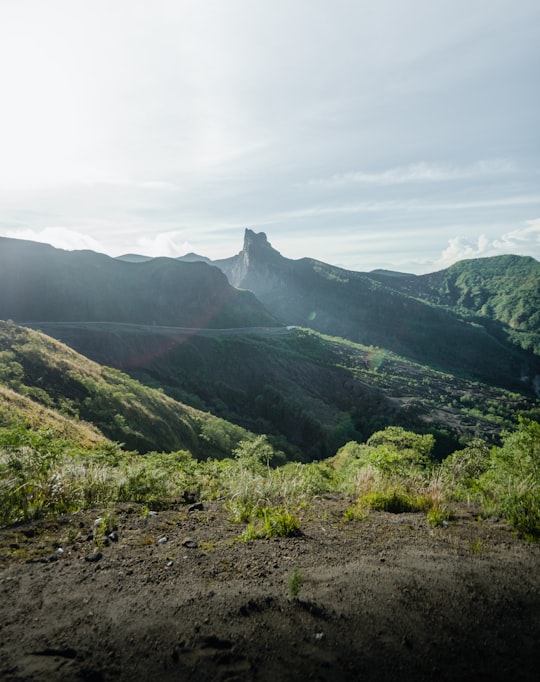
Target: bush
x=395, y=501
x=272, y=522
x=511, y=482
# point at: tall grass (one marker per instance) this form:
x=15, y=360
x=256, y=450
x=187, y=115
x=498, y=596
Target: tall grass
x=43, y=475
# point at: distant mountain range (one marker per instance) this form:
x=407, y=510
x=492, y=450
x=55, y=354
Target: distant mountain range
x=479, y=318
x=454, y=353
x=38, y=282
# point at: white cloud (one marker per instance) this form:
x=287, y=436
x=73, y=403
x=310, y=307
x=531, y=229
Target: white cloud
x=168, y=244
x=419, y=172
x=524, y=241
x=409, y=206
x=60, y=237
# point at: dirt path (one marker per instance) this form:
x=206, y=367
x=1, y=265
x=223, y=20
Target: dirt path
x=387, y=598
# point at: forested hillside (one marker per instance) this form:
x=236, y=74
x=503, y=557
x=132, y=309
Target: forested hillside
x=505, y=289
x=312, y=392
x=49, y=385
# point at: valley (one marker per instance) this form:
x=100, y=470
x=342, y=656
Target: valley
x=333, y=475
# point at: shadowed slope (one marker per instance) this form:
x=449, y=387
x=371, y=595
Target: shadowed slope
x=38, y=282
x=379, y=309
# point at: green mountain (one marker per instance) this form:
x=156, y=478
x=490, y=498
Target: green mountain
x=403, y=313
x=38, y=282
x=503, y=289
x=49, y=384
x=310, y=393
x=413, y=351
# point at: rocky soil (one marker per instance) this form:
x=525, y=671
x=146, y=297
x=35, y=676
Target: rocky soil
x=174, y=595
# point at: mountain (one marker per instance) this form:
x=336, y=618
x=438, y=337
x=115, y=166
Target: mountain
x=194, y=258
x=504, y=289
x=386, y=310
x=50, y=385
x=310, y=393
x=39, y=282
x=133, y=258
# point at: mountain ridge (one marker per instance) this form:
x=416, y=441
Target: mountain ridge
x=384, y=310
x=39, y=282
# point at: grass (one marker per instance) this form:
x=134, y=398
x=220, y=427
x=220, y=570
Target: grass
x=295, y=582
x=43, y=475
x=475, y=546
x=272, y=522
x=395, y=501
x=438, y=516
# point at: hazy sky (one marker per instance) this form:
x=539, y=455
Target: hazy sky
x=402, y=134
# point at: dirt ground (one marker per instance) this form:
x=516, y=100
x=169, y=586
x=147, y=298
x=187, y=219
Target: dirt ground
x=175, y=596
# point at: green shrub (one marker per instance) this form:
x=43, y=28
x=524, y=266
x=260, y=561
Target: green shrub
x=355, y=513
x=438, y=516
x=395, y=501
x=511, y=483
x=295, y=582
x=279, y=522
x=272, y=522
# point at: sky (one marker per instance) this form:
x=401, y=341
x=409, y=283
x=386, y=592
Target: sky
x=367, y=134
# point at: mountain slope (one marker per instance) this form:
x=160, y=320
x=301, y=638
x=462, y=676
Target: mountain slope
x=313, y=391
x=377, y=309
x=505, y=289
x=38, y=282
x=50, y=384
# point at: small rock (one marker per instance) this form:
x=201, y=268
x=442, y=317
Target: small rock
x=189, y=542
x=93, y=558
x=59, y=551
x=163, y=540
x=197, y=506
x=152, y=513
x=98, y=522
x=319, y=636
x=406, y=642
x=169, y=564
x=113, y=537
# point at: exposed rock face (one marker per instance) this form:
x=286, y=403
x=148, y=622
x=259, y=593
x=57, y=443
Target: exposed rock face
x=374, y=309
x=254, y=268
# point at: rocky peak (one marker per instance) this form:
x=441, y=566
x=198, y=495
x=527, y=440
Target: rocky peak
x=256, y=243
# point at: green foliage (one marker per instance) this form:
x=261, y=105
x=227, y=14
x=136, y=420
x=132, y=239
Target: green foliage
x=255, y=455
x=475, y=546
x=52, y=376
x=42, y=474
x=395, y=501
x=438, y=516
x=392, y=453
x=419, y=446
x=272, y=522
x=511, y=481
x=295, y=582
x=357, y=512
x=279, y=522
x=462, y=469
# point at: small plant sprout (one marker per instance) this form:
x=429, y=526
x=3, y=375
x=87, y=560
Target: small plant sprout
x=295, y=581
x=475, y=545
